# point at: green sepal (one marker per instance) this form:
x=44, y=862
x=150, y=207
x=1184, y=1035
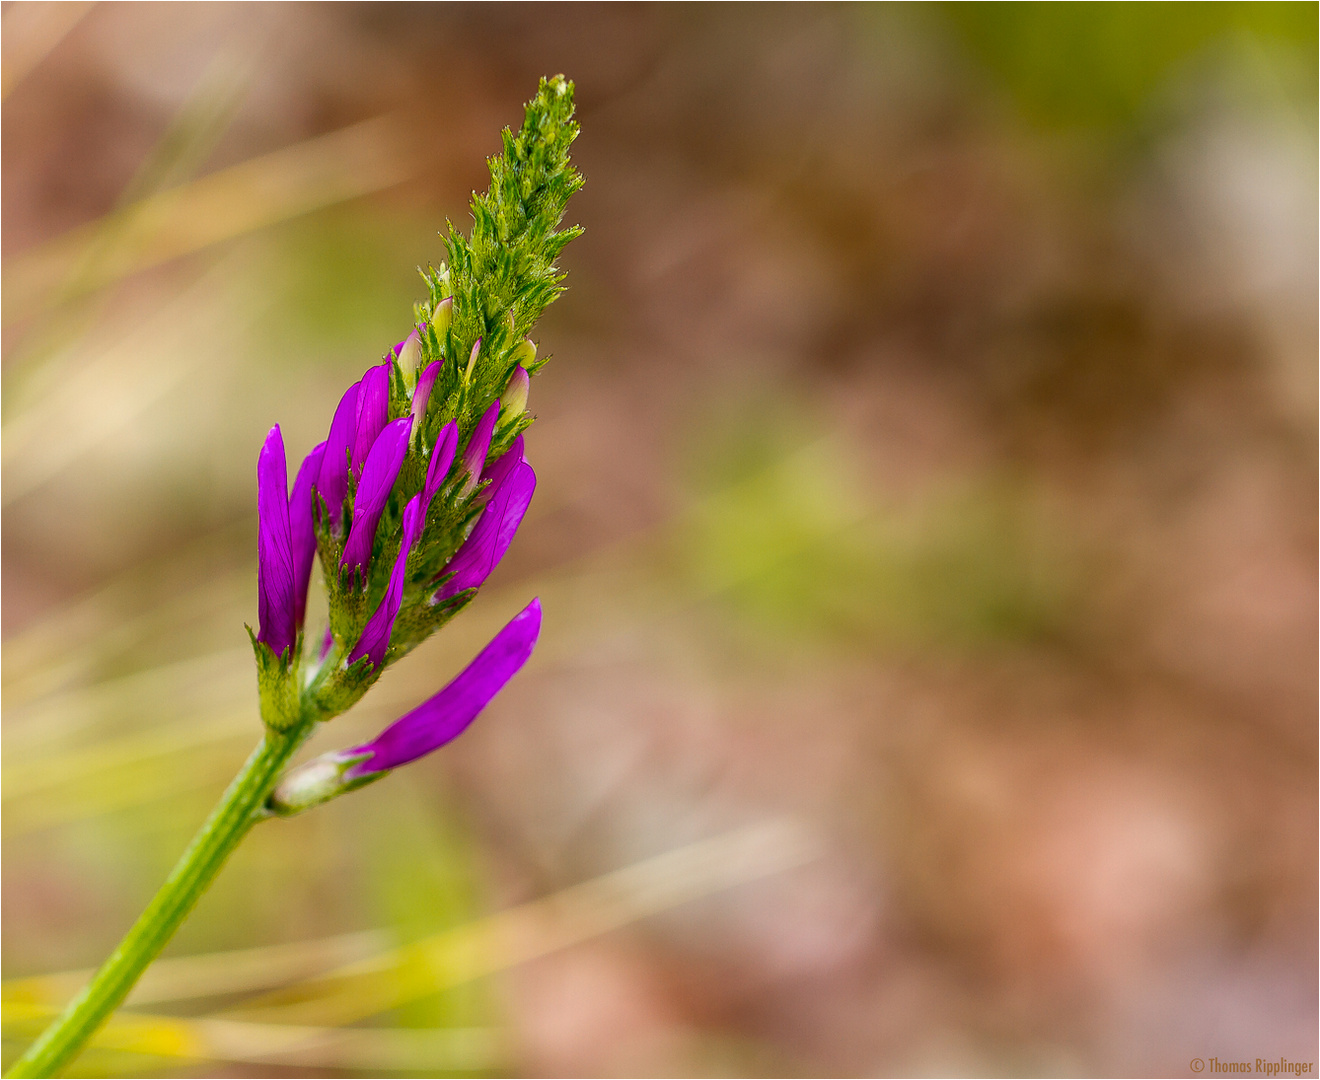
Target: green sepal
x=316, y=782
x=416, y=623
x=277, y=684
x=508, y=430
x=342, y=689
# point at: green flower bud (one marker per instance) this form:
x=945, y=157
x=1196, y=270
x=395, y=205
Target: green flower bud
x=442, y=317
x=472, y=360
x=524, y=353
x=513, y=402
x=315, y=782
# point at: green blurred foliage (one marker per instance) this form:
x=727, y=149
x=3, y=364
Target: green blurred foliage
x=796, y=540
x=345, y=279
x=1098, y=64
x=423, y=878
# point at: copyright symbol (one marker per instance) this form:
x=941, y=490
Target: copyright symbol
x=1197, y=1064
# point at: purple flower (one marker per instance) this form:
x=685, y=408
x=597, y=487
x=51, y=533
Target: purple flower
x=446, y=715
x=373, y=410
x=303, y=531
x=422, y=395
x=478, y=446
x=512, y=485
x=379, y=472
x=375, y=637
x=498, y=474
x=275, y=579
x=441, y=458
x=376, y=634
x=332, y=482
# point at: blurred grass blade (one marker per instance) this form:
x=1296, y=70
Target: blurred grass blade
x=513, y=937
x=319, y=172
x=110, y=390
x=199, y=124
x=367, y=980
x=30, y=32
x=209, y=975
x=69, y=311
x=378, y=1051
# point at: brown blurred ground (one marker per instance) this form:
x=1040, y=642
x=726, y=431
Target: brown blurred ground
x=935, y=470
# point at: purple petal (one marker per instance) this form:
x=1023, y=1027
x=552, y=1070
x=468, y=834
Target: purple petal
x=275, y=590
x=448, y=713
x=379, y=472
x=474, y=454
x=422, y=394
x=500, y=469
x=442, y=456
x=303, y=530
x=373, y=410
x=375, y=637
x=482, y=551
x=332, y=483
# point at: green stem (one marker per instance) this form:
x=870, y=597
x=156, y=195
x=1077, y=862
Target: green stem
x=238, y=810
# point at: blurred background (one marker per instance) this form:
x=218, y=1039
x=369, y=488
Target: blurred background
x=926, y=532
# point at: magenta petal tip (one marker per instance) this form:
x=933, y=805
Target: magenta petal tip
x=447, y=715
x=276, y=600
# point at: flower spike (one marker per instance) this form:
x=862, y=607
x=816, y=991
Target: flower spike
x=495, y=281
x=275, y=577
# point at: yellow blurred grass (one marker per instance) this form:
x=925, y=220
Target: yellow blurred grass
x=302, y=1023
x=357, y=160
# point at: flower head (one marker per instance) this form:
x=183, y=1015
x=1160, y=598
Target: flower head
x=408, y=520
